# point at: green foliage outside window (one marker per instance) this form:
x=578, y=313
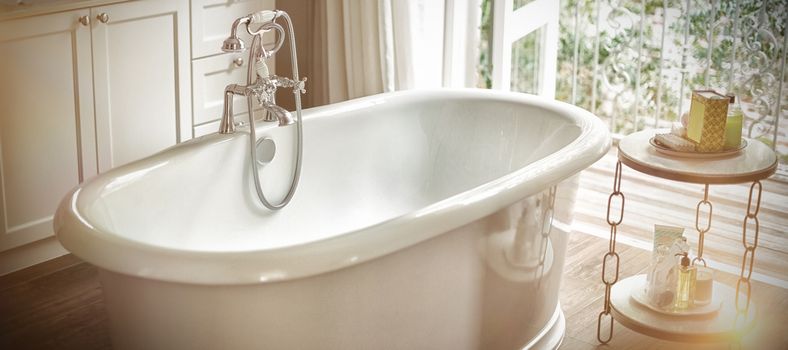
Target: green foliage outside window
x=640, y=81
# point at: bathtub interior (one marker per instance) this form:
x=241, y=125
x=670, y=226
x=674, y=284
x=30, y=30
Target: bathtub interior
x=364, y=163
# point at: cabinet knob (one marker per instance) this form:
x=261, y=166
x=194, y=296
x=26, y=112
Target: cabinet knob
x=238, y=61
x=103, y=17
x=84, y=20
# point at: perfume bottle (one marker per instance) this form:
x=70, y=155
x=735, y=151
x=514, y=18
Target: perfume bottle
x=685, y=284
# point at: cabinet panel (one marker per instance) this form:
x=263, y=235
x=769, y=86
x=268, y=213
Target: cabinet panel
x=210, y=76
x=212, y=19
x=139, y=70
x=46, y=121
x=205, y=129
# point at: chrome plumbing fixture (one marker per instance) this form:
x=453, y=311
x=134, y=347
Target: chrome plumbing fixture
x=266, y=149
x=261, y=89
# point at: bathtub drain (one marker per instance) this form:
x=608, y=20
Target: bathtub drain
x=266, y=149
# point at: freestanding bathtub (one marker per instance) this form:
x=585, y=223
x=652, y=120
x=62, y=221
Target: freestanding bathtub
x=424, y=220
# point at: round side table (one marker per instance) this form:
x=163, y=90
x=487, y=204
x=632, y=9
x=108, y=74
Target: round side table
x=735, y=317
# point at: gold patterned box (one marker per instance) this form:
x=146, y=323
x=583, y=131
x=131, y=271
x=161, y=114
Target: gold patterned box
x=708, y=114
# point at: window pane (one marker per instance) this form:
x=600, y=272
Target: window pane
x=525, y=63
x=520, y=3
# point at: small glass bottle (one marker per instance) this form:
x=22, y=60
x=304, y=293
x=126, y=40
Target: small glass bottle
x=685, y=286
x=733, y=124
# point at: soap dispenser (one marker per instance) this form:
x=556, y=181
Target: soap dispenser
x=685, y=287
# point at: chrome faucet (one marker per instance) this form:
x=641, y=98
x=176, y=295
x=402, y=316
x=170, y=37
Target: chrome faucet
x=264, y=90
x=261, y=87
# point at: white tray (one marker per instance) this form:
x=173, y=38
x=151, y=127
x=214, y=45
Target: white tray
x=692, y=154
x=639, y=295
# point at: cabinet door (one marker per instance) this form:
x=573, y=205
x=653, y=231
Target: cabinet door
x=46, y=120
x=211, y=21
x=141, y=77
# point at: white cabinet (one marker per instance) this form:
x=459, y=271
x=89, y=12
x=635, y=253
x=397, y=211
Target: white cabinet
x=90, y=88
x=142, y=79
x=46, y=120
x=83, y=91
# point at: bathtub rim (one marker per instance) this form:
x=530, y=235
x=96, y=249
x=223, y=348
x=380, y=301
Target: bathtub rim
x=116, y=253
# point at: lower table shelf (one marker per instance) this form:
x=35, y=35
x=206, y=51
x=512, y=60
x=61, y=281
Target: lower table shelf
x=721, y=326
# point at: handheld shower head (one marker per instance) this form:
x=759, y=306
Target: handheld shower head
x=266, y=18
x=233, y=44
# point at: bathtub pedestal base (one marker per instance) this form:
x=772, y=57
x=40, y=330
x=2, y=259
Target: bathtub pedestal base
x=552, y=335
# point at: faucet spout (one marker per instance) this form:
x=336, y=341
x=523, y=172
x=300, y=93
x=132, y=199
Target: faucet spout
x=226, y=126
x=284, y=117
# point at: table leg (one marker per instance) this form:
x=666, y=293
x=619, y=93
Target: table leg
x=610, y=255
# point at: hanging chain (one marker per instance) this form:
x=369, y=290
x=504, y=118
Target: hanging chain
x=748, y=259
x=610, y=255
x=702, y=231
x=547, y=224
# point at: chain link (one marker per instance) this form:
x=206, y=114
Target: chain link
x=612, y=244
x=599, y=327
x=746, y=269
x=604, y=268
x=744, y=225
x=697, y=260
x=739, y=308
x=611, y=253
x=757, y=200
x=608, y=289
x=609, y=206
x=748, y=258
x=702, y=231
x=617, y=178
x=708, y=216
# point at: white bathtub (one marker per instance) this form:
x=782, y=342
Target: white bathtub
x=421, y=222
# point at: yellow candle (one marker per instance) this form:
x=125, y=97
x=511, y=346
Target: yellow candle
x=733, y=124
x=703, y=285
x=733, y=131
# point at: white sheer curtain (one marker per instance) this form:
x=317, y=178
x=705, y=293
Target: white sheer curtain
x=373, y=46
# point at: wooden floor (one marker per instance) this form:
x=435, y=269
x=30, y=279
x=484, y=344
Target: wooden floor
x=58, y=304
x=55, y=305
